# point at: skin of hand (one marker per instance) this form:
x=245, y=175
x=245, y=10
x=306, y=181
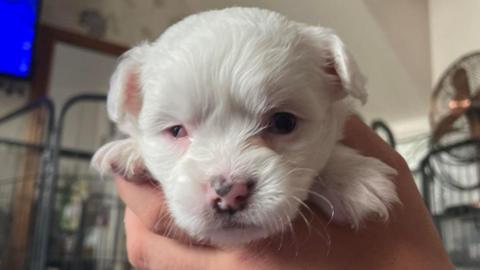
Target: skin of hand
x=408, y=240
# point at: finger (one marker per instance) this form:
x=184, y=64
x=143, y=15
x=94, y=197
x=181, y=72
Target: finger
x=147, y=250
x=145, y=199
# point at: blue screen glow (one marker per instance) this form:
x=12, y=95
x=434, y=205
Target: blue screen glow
x=17, y=33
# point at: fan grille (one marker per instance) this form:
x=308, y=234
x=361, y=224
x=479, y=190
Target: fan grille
x=444, y=92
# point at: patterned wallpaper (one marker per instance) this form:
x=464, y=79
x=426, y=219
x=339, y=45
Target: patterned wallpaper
x=125, y=22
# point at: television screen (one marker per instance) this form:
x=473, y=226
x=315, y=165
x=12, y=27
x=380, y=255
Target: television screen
x=18, y=20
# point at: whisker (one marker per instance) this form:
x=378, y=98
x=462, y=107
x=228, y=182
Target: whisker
x=288, y=173
x=292, y=230
x=307, y=222
x=325, y=199
x=170, y=228
x=159, y=220
x=281, y=234
x=324, y=235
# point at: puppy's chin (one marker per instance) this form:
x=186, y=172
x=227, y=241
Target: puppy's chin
x=236, y=236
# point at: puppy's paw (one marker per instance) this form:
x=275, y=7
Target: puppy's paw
x=356, y=187
x=122, y=158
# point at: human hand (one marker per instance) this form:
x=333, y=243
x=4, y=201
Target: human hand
x=407, y=241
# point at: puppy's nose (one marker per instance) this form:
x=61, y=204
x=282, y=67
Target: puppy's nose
x=229, y=197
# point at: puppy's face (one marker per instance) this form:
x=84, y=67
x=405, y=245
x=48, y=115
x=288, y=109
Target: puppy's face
x=231, y=112
x=259, y=130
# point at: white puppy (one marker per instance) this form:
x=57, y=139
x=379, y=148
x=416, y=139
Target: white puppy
x=238, y=114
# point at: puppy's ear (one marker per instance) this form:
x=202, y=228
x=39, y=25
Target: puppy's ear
x=125, y=96
x=124, y=103
x=338, y=65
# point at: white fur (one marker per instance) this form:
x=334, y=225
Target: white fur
x=222, y=74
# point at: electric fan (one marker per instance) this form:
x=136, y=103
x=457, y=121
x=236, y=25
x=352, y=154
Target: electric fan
x=455, y=104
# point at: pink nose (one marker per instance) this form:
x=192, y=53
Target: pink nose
x=229, y=197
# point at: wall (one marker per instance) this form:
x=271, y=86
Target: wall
x=390, y=40
x=454, y=31
x=125, y=22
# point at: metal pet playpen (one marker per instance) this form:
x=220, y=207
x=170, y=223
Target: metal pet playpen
x=72, y=220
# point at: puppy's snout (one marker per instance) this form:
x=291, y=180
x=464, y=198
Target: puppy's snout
x=229, y=197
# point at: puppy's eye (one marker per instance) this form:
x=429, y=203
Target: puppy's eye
x=282, y=123
x=177, y=131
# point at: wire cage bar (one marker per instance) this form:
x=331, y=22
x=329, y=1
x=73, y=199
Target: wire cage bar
x=451, y=189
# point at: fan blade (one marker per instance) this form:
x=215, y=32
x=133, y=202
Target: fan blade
x=446, y=124
x=461, y=84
